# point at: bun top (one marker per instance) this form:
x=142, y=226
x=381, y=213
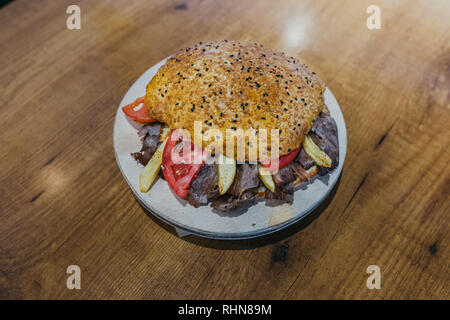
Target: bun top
x=235, y=85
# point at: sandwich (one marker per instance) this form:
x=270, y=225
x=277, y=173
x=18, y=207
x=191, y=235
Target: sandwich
x=228, y=124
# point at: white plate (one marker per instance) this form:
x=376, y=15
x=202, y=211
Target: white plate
x=258, y=220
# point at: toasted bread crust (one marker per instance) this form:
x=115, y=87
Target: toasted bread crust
x=235, y=85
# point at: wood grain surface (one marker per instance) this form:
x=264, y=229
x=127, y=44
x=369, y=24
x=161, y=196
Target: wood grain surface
x=63, y=200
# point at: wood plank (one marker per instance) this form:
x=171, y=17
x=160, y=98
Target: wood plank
x=63, y=200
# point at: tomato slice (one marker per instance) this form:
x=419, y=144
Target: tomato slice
x=181, y=162
x=281, y=162
x=138, y=114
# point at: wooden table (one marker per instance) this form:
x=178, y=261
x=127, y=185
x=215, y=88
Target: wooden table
x=64, y=202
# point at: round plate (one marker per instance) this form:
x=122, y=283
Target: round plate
x=258, y=220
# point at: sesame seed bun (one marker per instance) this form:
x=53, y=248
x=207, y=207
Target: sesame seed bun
x=236, y=85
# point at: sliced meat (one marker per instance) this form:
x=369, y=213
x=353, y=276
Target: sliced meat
x=304, y=159
x=246, y=178
x=243, y=191
x=280, y=195
x=150, y=133
x=229, y=202
x=286, y=174
x=324, y=133
x=204, y=187
x=287, y=179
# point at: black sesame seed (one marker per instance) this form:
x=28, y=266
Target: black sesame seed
x=258, y=107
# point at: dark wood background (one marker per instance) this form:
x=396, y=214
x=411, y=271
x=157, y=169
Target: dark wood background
x=63, y=200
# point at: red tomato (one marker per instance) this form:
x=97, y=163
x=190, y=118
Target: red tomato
x=181, y=163
x=281, y=162
x=140, y=115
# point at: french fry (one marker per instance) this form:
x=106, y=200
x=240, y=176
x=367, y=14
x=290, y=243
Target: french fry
x=266, y=178
x=152, y=168
x=227, y=171
x=313, y=150
x=164, y=133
